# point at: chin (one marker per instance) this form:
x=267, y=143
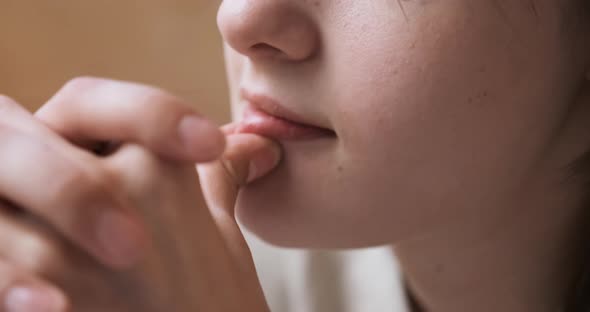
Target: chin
x=283, y=208
x=314, y=200
x=284, y=217
x=268, y=209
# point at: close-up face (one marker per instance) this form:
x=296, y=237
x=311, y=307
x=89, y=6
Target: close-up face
x=395, y=117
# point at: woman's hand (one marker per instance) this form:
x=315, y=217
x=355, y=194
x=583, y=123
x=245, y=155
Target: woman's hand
x=193, y=262
x=67, y=189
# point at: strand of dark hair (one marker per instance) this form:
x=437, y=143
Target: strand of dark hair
x=579, y=300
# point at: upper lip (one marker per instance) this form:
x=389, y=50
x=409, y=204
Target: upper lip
x=272, y=107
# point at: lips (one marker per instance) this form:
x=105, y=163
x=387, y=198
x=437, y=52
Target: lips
x=266, y=117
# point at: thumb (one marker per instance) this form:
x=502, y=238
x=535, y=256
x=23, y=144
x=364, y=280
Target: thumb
x=247, y=157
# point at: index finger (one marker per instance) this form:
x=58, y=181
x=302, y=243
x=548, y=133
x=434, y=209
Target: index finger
x=88, y=110
x=66, y=188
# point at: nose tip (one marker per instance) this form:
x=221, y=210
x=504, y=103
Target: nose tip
x=268, y=29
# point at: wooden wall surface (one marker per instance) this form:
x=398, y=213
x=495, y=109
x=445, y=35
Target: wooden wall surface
x=170, y=43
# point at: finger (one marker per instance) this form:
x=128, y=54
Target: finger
x=66, y=188
x=34, y=246
x=160, y=189
x=86, y=110
x=247, y=158
x=21, y=291
x=229, y=129
x=140, y=172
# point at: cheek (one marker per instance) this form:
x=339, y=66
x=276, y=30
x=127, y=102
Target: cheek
x=444, y=120
x=433, y=97
x=430, y=125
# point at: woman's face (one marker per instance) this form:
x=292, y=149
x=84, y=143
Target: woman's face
x=440, y=109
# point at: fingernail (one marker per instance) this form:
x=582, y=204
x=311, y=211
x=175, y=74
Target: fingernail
x=263, y=162
x=120, y=238
x=201, y=138
x=34, y=299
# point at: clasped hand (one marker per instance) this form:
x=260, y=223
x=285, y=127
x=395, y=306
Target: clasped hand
x=103, y=210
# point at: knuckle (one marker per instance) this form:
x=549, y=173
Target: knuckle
x=6, y=270
x=7, y=104
x=74, y=87
x=74, y=180
x=137, y=169
x=6, y=100
x=81, y=183
x=12, y=118
x=62, y=99
x=38, y=253
x=81, y=83
x=10, y=275
x=142, y=162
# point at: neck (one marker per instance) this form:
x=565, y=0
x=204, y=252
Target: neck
x=523, y=259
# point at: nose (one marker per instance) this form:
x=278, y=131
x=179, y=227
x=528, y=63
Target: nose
x=268, y=29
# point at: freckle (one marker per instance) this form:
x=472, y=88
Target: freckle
x=470, y=100
x=340, y=168
x=484, y=94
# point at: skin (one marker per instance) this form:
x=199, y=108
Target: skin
x=454, y=120
x=121, y=230
x=455, y=123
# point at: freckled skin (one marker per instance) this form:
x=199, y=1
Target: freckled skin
x=441, y=110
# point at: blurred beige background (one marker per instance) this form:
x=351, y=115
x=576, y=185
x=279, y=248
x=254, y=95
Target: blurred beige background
x=170, y=43
x=174, y=44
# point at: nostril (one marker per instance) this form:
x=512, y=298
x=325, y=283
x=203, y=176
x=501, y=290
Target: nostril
x=259, y=46
x=263, y=49
x=272, y=29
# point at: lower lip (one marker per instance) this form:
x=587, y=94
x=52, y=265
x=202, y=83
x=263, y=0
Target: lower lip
x=259, y=122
